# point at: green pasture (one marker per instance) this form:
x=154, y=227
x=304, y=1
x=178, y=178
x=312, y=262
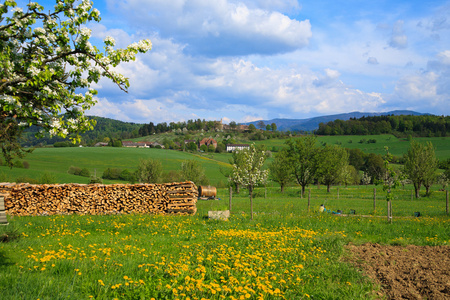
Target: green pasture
x=397, y=146
x=57, y=161
x=286, y=252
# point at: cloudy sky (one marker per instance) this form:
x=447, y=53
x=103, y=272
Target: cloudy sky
x=244, y=60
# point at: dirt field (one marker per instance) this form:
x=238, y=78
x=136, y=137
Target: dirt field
x=409, y=272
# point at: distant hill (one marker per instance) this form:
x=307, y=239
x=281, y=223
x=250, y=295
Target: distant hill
x=313, y=123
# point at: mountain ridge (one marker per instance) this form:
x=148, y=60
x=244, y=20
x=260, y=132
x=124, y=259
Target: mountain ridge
x=311, y=124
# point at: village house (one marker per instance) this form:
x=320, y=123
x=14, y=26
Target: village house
x=208, y=142
x=237, y=147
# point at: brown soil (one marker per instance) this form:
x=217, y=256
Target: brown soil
x=406, y=272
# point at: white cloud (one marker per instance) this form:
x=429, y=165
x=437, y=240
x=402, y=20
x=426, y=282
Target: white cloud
x=217, y=27
x=372, y=61
x=398, y=39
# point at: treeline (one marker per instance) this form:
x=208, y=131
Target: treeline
x=190, y=125
x=105, y=129
x=403, y=125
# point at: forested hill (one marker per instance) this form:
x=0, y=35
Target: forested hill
x=403, y=125
x=105, y=128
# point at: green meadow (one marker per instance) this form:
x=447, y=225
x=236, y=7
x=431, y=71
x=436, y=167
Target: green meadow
x=288, y=251
x=57, y=161
x=397, y=146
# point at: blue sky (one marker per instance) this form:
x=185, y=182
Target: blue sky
x=263, y=59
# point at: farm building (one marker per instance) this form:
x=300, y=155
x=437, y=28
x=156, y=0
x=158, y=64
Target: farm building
x=208, y=142
x=237, y=147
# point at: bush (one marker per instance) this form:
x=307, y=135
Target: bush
x=127, y=176
x=95, y=179
x=111, y=173
x=47, y=178
x=26, y=165
x=24, y=179
x=149, y=171
x=191, y=170
x=18, y=164
x=171, y=176
x=74, y=170
x=85, y=172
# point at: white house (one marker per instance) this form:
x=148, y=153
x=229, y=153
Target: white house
x=237, y=147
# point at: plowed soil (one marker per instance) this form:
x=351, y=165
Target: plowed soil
x=406, y=272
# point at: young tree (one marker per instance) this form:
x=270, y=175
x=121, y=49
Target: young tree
x=280, y=169
x=331, y=164
x=420, y=164
x=247, y=170
x=192, y=170
x=301, y=153
x=273, y=126
x=149, y=171
x=261, y=125
x=48, y=67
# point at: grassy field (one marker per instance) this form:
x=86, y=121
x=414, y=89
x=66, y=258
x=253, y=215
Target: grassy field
x=397, y=146
x=57, y=161
x=286, y=252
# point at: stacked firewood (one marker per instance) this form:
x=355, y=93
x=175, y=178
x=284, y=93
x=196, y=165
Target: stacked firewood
x=55, y=199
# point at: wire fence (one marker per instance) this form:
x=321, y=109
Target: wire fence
x=358, y=200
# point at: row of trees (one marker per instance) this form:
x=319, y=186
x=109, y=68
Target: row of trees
x=304, y=162
x=423, y=125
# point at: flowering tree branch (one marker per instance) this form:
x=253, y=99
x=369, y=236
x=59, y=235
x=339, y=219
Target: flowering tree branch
x=48, y=65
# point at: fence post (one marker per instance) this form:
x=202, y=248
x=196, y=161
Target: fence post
x=389, y=212
x=231, y=195
x=309, y=198
x=374, y=200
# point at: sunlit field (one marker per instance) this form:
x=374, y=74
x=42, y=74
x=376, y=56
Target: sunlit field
x=286, y=252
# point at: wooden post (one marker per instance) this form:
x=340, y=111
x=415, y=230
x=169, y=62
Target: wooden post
x=446, y=203
x=374, y=200
x=231, y=196
x=388, y=210
x=309, y=199
x=338, y=193
x=3, y=219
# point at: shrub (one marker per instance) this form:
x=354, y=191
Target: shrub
x=24, y=179
x=149, y=171
x=127, y=176
x=111, y=173
x=95, y=179
x=26, y=165
x=18, y=164
x=74, y=170
x=171, y=176
x=47, y=178
x=85, y=172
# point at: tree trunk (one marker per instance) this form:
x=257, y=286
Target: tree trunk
x=417, y=189
x=328, y=188
x=303, y=190
x=250, y=190
x=282, y=188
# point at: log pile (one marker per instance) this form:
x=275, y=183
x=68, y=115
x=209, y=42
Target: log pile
x=95, y=199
